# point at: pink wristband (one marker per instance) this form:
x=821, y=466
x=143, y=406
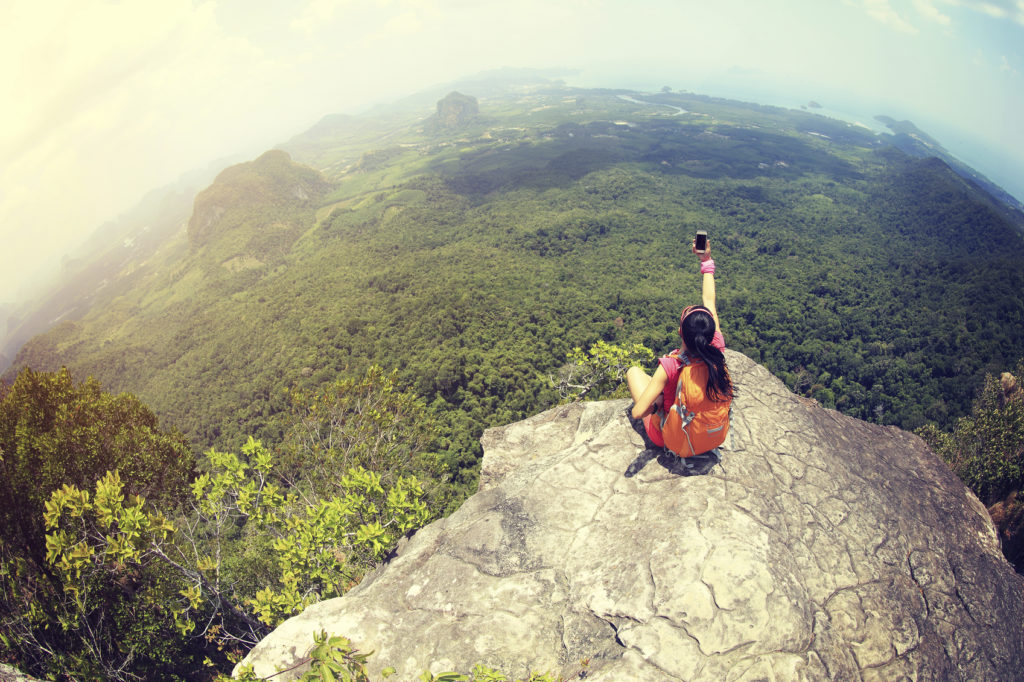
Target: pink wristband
x=708, y=267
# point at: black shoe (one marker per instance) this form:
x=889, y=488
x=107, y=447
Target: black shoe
x=673, y=463
x=698, y=465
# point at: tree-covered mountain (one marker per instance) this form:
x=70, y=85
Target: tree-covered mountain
x=472, y=259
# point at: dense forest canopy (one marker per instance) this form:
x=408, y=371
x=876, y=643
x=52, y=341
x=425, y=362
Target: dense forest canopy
x=471, y=260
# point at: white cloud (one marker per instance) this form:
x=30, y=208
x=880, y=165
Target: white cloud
x=997, y=9
x=928, y=10
x=882, y=11
x=1012, y=10
x=991, y=9
x=315, y=14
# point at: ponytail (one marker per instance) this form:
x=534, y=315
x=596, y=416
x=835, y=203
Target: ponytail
x=698, y=329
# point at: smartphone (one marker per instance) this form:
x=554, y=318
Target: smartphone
x=701, y=241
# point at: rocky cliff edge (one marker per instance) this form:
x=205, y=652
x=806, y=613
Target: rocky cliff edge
x=820, y=547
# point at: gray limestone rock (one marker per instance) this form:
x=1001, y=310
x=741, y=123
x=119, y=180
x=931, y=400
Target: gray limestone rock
x=10, y=674
x=821, y=547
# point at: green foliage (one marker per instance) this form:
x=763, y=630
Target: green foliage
x=599, y=372
x=61, y=610
x=332, y=659
x=96, y=611
x=986, y=448
x=95, y=540
x=108, y=529
x=365, y=422
x=482, y=673
x=118, y=587
x=123, y=588
x=321, y=549
x=54, y=432
x=324, y=549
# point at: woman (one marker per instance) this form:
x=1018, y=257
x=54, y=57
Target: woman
x=703, y=343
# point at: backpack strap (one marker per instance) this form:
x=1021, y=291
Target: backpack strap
x=678, y=405
x=681, y=355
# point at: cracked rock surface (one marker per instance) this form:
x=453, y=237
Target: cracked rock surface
x=821, y=547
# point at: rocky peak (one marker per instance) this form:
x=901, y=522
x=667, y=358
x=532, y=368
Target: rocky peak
x=456, y=110
x=820, y=547
x=245, y=194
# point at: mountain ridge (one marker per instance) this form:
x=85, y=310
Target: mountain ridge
x=260, y=195
x=107, y=263
x=914, y=141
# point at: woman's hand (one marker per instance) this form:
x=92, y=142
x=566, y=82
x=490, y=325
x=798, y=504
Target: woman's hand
x=707, y=250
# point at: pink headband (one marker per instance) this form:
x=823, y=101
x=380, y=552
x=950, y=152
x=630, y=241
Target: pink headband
x=691, y=309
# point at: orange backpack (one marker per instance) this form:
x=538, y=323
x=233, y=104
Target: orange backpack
x=694, y=424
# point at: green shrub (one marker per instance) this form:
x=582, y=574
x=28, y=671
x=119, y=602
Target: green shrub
x=598, y=373
x=986, y=448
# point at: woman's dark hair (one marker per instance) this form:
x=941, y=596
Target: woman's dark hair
x=697, y=327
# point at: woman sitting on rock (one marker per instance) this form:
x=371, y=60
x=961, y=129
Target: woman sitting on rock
x=685, y=405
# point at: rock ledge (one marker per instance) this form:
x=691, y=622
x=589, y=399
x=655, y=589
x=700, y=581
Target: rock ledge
x=822, y=547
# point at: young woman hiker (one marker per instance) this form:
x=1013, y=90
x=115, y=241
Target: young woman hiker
x=690, y=415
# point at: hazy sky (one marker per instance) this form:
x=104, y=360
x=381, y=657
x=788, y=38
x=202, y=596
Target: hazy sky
x=103, y=101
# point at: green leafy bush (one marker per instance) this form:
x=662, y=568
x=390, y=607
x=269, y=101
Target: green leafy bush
x=986, y=448
x=321, y=548
x=55, y=432
x=125, y=587
x=599, y=372
x=58, y=611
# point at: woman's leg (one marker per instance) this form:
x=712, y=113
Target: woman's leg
x=648, y=427
x=637, y=380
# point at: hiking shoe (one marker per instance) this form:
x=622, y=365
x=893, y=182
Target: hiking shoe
x=702, y=464
x=674, y=463
x=698, y=465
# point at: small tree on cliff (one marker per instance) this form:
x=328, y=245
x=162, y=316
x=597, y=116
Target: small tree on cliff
x=53, y=433
x=986, y=450
x=599, y=372
x=368, y=422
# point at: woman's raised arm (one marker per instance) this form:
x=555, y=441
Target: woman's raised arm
x=707, y=290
